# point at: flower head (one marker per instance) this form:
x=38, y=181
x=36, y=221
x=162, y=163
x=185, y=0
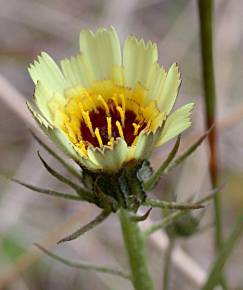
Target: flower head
x=105, y=107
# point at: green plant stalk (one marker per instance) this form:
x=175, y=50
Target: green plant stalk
x=224, y=254
x=134, y=243
x=206, y=16
x=168, y=264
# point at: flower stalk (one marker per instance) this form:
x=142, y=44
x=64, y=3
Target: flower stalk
x=206, y=18
x=134, y=243
x=205, y=8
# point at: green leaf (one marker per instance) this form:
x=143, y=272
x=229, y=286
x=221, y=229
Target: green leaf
x=99, y=219
x=47, y=191
x=224, y=254
x=188, y=152
x=70, y=168
x=85, y=265
x=153, y=180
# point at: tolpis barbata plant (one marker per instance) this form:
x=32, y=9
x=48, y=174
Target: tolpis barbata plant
x=107, y=109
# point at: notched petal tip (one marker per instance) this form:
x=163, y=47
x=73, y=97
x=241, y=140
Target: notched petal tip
x=45, y=69
x=101, y=50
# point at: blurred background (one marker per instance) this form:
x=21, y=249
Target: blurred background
x=28, y=27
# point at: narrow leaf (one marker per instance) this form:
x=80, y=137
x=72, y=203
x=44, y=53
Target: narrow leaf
x=47, y=191
x=99, y=219
x=188, y=152
x=85, y=265
x=153, y=180
x=70, y=168
x=171, y=205
x=224, y=254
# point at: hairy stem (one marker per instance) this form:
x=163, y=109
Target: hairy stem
x=134, y=244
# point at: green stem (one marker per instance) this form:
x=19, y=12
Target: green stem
x=206, y=15
x=167, y=265
x=206, y=23
x=134, y=244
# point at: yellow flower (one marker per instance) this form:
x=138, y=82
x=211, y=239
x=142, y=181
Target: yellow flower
x=105, y=107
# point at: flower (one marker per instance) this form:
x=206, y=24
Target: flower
x=105, y=107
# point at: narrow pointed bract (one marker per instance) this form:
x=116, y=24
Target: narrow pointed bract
x=47, y=191
x=69, y=167
x=152, y=181
x=57, y=175
x=99, y=219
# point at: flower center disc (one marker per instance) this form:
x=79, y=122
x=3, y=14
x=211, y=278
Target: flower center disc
x=108, y=127
x=97, y=116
